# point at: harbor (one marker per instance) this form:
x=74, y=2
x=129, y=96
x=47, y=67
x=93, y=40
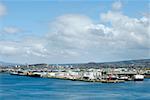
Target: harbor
x=102, y=75
x=75, y=50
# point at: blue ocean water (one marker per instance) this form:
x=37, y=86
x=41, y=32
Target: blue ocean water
x=28, y=88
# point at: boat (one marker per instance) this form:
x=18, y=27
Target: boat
x=138, y=77
x=19, y=73
x=126, y=78
x=35, y=74
x=112, y=77
x=14, y=73
x=112, y=81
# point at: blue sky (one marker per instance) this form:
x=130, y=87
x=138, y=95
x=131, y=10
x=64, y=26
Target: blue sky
x=33, y=16
x=45, y=24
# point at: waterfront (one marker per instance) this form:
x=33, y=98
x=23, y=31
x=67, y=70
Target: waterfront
x=23, y=87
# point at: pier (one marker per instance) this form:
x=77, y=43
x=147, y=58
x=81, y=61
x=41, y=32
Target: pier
x=90, y=72
x=104, y=75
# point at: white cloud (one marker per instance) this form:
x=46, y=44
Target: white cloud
x=100, y=30
x=117, y=5
x=124, y=33
x=77, y=37
x=74, y=37
x=25, y=48
x=70, y=31
x=3, y=10
x=11, y=30
x=132, y=31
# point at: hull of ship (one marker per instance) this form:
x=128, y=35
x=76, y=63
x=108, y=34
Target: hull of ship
x=138, y=79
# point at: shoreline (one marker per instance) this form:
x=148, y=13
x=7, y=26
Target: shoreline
x=83, y=80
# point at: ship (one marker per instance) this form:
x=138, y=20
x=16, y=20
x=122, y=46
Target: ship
x=126, y=78
x=13, y=73
x=138, y=77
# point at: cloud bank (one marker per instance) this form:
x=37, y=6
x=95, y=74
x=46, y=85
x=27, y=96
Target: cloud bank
x=76, y=38
x=3, y=10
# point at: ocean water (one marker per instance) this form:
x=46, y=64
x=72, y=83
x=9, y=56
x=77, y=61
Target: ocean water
x=28, y=88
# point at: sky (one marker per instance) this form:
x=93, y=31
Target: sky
x=74, y=31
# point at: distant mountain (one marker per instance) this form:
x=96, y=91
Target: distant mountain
x=127, y=63
x=4, y=64
x=139, y=61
